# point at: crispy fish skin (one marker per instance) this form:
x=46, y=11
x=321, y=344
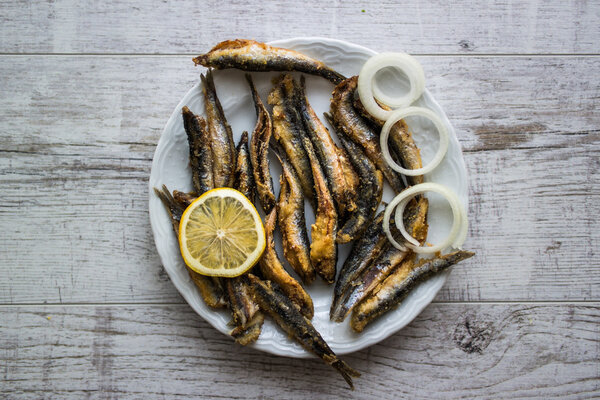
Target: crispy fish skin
x=201, y=160
x=259, y=151
x=211, y=292
x=389, y=259
x=323, y=247
x=292, y=223
x=328, y=153
x=249, y=333
x=244, y=179
x=288, y=129
x=396, y=287
x=402, y=144
x=221, y=137
x=366, y=249
x=370, y=188
x=249, y=55
x=272, y=269
x=351, y=124
x=287, y=316
x=241, y=303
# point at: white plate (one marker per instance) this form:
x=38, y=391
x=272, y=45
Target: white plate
x=170, y=167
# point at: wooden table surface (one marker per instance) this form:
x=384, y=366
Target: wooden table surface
x=86, y=309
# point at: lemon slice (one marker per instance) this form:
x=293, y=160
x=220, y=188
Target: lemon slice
x=221, y=234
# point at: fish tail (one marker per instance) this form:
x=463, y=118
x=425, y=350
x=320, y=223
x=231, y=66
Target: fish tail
x=346, y=371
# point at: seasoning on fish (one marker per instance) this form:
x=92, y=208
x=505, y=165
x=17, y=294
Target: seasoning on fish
x=370, y=189
x=396, y=287
x=286, y=315
x=201, y=161
x=323, y=247
x=249, y=333
x=222, y=145
x=402, y=145
x=366, y=249
x=292, y=223
x=350, y=123
x=288, y=129
x=272, y=269
x=415, y=220
x=249, y=55
x=243, y=178
x=259, y=151
x=329, y=154
x=211, y=292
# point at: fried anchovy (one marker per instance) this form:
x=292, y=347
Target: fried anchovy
x=351, y=124
x=370, y=189
x=249, y=55
x=292, y=223
x=329, y=154
x=222, y=145
x=272, y=269
x=397, y=286
x=402, y=146
x=288, y=129
x=366, y=249
x=259, y=151
x=323, y=247
x=389, y=259
x=201, y=160
x=287, y=316
x=210, y=289
x=250, y=332
x=244, y=179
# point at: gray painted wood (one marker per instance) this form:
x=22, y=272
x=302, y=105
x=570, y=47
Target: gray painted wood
x=78, y=140
x=475, y=351
x=499, y=26
x=517, y=79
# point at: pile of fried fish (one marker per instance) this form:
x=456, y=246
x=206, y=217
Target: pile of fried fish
x=343, y=184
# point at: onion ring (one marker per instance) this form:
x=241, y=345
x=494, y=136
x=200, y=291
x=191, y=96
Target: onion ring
x=402, y=61
x=396, y=116
x=458, y=231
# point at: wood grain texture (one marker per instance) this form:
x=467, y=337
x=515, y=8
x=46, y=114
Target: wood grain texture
x=501, y=26
x=486, y=352
x=77, y=143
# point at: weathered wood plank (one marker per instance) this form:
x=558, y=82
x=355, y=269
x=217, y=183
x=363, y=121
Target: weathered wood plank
x=502, y=26
x=77, y=143
x=476, y=351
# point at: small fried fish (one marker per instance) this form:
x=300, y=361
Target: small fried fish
x=221, y=137
x=259, y=151
x=243, y=176
x=323, y=247
x=201, y=161
x=249, y=55
x=272, y=269
x=289, y=318
x=330, y=156
x=396, y=287
x=288, y=129
x=292, y=224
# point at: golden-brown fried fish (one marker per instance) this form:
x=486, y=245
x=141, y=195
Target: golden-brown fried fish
x=249, y=55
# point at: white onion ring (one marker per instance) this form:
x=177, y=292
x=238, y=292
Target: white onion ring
x=460, y=224
x=402, y=61
x=396, y=116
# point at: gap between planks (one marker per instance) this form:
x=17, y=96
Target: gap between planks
x=528, y=302
x=497, y=55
